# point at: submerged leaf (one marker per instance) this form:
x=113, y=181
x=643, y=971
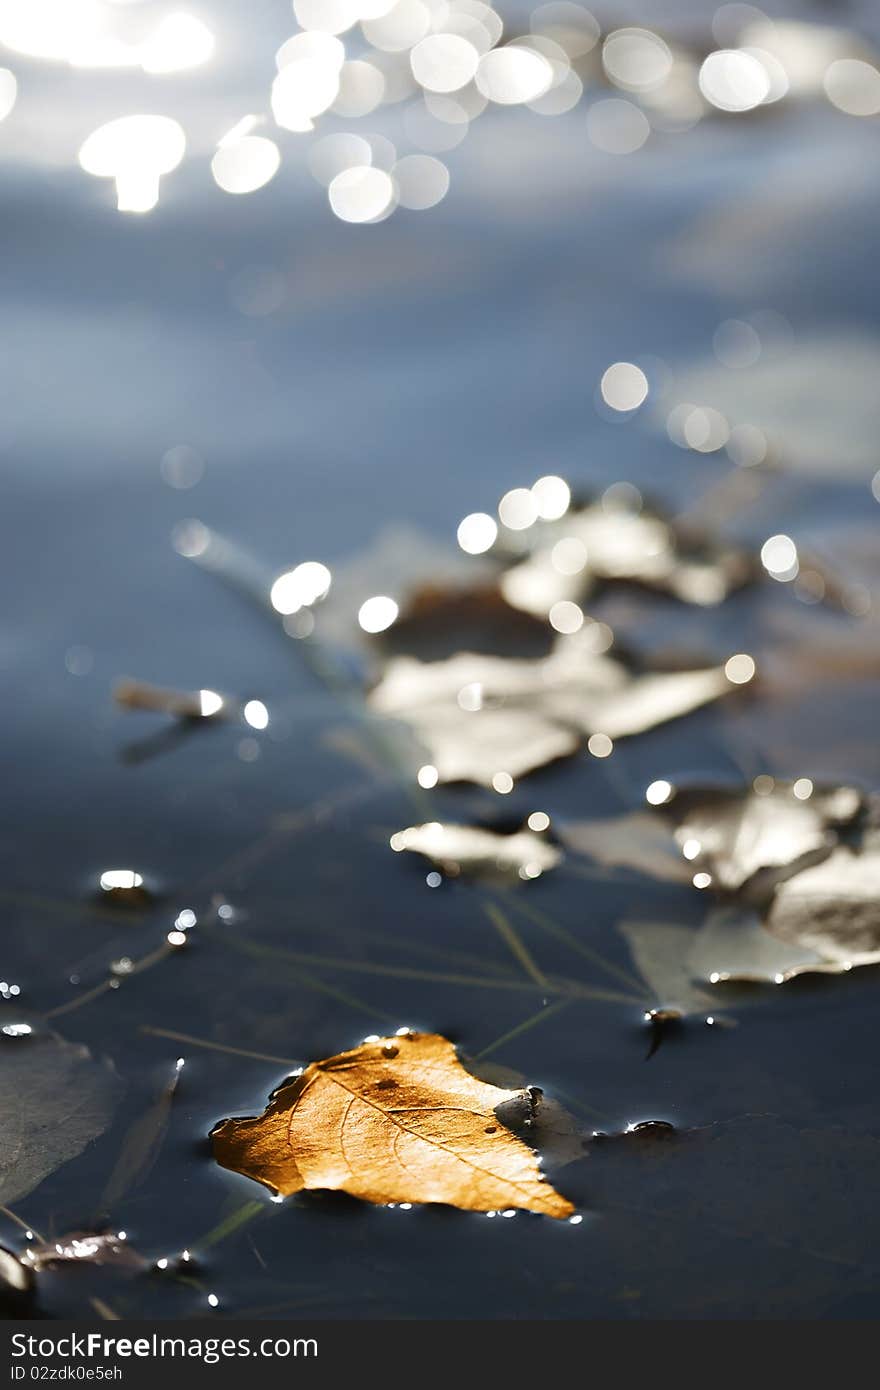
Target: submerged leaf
x=397, y=1119
x=54, y=1099
x=471, y=849
x=756, y=837
x=479, y=716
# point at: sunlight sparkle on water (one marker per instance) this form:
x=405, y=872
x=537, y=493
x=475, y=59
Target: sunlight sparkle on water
x=135, y=151
x=335, y=153
x=552, y=497
x=210, y=703
x=125, y=879
x=566, y=617
x=658, y=793
x=300, y=587
x=244, y=165
x=513, y=75
x=600, y=746
x=518, y=509
x=624, y=386
x=636, y=59
x=477, y=533
x=256, y=714
x=739, y=669
x=181, y=41
x=377, y=614
x=780, y=558
x=362, y=194
x=853, y=86
x=734, y=80
x=328, y=16
x=361, y=89
x=422, y=181
x=444, y=62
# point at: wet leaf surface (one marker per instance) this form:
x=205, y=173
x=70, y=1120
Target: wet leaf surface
x=478, y=717
x=83, y=1247
x=395, y=1120
x=55, y=1099
x=480, y=852
x=753, y=839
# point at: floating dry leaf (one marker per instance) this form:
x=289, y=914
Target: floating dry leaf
x=479, y=716
x=733, y=944
x=400, y=560
x=833, y=908
x=397, y=1119
x=622, y=540
x=484, y=853
x=55, y=1099
x=755, y=837
x=662, y=955
x=823, y=920
x=83, y=1247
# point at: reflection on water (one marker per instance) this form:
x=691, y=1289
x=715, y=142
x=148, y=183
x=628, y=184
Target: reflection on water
x=661, y=272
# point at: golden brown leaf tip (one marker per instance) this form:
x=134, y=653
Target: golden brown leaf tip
x=398, y=1119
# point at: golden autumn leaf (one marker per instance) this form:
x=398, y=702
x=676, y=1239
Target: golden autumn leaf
x=395, y=1120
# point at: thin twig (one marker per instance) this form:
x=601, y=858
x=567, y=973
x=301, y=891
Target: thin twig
x=215, y=1047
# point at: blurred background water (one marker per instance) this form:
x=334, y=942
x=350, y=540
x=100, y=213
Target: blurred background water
x=332, y=379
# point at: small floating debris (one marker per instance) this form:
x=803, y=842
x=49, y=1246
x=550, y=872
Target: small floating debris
x=16, y=1030
x=473, y=850
x=644, y=1131
x=189, y=704
x=125, y=887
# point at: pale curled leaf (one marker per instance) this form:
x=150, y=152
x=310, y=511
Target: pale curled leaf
x=54, y=1099
x=483, y=853
x=395, y=1120
x=755, y=838
x=477, y=715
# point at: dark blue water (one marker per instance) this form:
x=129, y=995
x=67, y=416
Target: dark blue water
x=412, y=372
